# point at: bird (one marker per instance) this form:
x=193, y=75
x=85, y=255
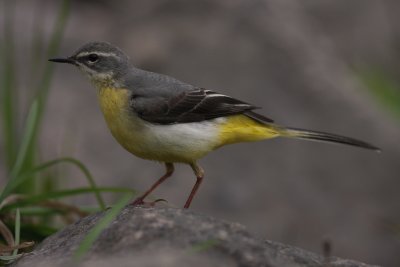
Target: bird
x=157, y=117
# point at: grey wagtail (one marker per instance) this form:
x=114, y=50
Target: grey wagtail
x=160, y=118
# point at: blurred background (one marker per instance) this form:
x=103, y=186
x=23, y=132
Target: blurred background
x=328, y=65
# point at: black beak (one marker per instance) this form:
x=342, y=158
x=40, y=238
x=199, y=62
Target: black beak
x=63, y=60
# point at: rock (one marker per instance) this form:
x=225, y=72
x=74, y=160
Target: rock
x=170, y=237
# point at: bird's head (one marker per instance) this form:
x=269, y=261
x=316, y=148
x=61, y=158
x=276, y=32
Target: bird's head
x=102, y=62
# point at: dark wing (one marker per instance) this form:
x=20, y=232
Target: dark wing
x=192, y=106
x=258, y=117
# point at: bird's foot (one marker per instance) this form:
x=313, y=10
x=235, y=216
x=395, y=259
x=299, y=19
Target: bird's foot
x=140, y=202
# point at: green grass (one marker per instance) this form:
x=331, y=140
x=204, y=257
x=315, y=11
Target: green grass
x=17, y=231
x=203, y=246
x=17, y=180
x=103, y=223
x=14, y=139
x=31, y=202
x=383, y=87
x=10, y=202
x=8, y=95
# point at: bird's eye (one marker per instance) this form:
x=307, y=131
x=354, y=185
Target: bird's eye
x=93, y=58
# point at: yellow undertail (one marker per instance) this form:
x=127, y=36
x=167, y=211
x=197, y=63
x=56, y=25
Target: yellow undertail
x=240, y=128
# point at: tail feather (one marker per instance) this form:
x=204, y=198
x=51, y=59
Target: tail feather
x=325, y=137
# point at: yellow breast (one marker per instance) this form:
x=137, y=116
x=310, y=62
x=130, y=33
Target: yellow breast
x=135, y=135
x=114, y=104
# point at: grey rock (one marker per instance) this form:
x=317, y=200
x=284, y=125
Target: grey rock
x=170, y=237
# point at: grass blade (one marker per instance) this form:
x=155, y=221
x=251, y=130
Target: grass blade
x=37, y=44
x=17, y=231
x=52, y=49
x=32, y=200
x=24, y=149
x=27, y=139
x=38, y=211
x=203, y=246
x=6, y=234
x=9, y=258
x=15, y=182
x=383, y=87
x=8, y=90
x=43, y=86
x=103, y=223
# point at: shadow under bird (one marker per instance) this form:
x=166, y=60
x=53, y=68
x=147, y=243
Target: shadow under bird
x=160, y=118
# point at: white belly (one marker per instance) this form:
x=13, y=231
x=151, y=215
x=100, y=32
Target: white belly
x=185, y=142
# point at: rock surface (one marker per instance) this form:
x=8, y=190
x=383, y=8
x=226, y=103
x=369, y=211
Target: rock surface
x=170, y=237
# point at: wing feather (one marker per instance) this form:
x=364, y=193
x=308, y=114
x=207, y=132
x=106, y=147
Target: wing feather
x=192, y=106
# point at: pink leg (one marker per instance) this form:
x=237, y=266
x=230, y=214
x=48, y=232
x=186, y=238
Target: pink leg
x=140, y=200
x=199, y=175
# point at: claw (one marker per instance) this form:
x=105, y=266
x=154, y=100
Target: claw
x=160, y=200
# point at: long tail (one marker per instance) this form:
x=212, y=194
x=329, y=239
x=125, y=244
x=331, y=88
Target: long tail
x=325, y=137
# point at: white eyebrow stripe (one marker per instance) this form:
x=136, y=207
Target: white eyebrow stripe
x=104, y=54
